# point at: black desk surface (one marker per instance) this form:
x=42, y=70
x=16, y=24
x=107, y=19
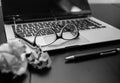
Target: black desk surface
x=100, y=70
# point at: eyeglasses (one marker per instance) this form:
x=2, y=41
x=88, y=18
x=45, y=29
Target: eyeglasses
x=67, y=32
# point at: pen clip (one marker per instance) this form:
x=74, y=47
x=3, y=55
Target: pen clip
x=110, y=52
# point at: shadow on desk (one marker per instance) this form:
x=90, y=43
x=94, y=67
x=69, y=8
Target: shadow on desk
x=8, y=78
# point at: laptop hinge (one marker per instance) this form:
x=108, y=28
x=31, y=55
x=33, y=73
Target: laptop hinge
x=26, y=19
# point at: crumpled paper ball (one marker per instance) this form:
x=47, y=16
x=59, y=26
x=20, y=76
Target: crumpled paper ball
x=37, y=58
x=12, y=58
x=17, y=54
x=44, y=61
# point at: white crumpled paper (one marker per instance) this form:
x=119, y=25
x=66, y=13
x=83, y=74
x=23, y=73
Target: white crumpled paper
x=36, y=57
x=12, y=58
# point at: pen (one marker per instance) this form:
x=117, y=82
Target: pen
x=92, y=55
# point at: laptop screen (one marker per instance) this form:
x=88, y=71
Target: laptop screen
x=38, y=9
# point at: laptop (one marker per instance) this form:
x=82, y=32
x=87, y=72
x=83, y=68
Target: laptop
x=34, y=13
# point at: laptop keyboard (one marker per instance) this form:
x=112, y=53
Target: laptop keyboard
x=30, y=29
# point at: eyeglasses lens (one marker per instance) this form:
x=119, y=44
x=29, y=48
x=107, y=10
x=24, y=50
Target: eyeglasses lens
x=69, y=32
x=47, y=34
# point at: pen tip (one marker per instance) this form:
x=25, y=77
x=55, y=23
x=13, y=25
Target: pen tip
x=69, y=57
x=118, y=49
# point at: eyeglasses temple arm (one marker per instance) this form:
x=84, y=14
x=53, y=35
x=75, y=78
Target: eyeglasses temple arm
x=32, y=44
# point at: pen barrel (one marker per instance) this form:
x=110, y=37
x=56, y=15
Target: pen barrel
x=86, y=57
x=80, y=58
